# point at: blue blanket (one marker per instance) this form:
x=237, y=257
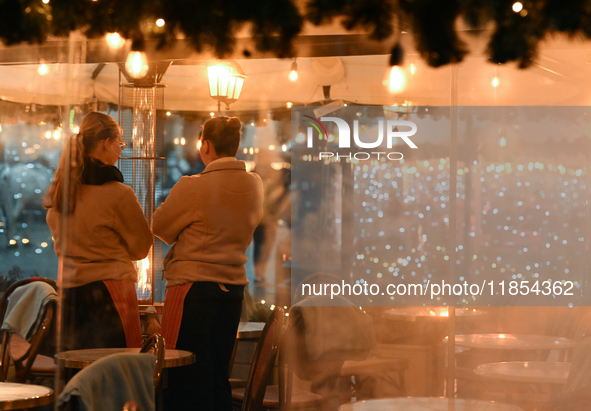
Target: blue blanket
x=24, y=306
x=112, y=381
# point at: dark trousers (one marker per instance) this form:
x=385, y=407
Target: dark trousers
x=90, y=318
x=208, y=329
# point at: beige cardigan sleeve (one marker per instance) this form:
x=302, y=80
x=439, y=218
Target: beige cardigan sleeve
x=133, y=227
x=175, y=213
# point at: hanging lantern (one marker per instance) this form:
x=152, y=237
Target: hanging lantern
x=225, y=81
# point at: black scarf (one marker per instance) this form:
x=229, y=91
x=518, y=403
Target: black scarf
x=97, y=173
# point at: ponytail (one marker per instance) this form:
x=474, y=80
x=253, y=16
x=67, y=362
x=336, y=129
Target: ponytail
x=68, y=177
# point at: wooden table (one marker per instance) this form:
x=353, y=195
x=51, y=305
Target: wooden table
x=531, y=372
x=83, y=358
x=20, y=396
x=249, y=330
x=426, y=404
x=514, y=342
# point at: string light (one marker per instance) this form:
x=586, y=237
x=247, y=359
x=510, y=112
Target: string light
x=137, y=60
x=160, y=22
x=42, y=69
x=495, y=82
x=395, y=79
x=293, y=74
x=517, y=7
x=115, y=41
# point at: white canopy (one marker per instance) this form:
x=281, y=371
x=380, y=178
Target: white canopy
x=560, y=77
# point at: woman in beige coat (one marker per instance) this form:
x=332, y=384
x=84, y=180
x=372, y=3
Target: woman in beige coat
x=105, y=230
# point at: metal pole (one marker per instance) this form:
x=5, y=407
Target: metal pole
x=453, y=173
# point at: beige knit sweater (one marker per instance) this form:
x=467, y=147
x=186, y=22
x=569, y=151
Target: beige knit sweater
x=104, y=234
x=211, y=218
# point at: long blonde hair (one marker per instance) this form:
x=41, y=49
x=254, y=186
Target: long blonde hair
x=94, y=128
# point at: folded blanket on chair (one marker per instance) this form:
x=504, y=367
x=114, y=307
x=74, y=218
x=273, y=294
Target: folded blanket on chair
x=341, y=331
x=112, y=381
x=24, y=308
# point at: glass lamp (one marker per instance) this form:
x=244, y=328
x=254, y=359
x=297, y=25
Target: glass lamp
x=225, y=81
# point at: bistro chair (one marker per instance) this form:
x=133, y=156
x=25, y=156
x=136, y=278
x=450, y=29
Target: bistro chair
x=155, y=345
x=251, y=396
x=25, y=354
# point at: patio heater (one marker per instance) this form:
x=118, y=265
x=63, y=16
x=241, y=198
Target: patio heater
x=143, y=163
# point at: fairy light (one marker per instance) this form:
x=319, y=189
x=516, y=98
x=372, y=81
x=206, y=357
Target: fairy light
x=115, y=41
x=395, y=80
x=517, y=7
x=43, y=69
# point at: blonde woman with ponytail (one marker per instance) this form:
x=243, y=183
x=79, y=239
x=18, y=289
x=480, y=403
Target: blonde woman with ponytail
x=105, y=230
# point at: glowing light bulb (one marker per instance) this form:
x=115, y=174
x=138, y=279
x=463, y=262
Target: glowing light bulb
x=395, y=79
x=293, y=74
x=137, y=64
x=502, y=142
x=115, y=41
x=48, y=135
x=183, y=141
x=289, y=104
x=517, y=7
x=42, y=69
x=160, y=22
x=57, y=134
x=413, y=69
x=45, y=1
x=495, y=82
x=168, y=113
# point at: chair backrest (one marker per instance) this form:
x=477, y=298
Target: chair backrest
x=263, y=361
x=24, y=359
x=155, y=344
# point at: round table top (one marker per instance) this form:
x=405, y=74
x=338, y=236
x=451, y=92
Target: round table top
x=19, y=396
x=249, y=330
x=426, y=404
x=514, y=342
x=427, y=313
x=83, y=358
x=526, y=371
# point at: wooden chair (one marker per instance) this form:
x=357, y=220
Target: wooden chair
x=155, y=344
x=24, y=354
x=251, y=396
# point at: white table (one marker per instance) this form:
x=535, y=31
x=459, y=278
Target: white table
x=514, y=342
x=249, y=330
x=428, y=313
x=532, y=372
x=20, y=396
x=426, y=404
